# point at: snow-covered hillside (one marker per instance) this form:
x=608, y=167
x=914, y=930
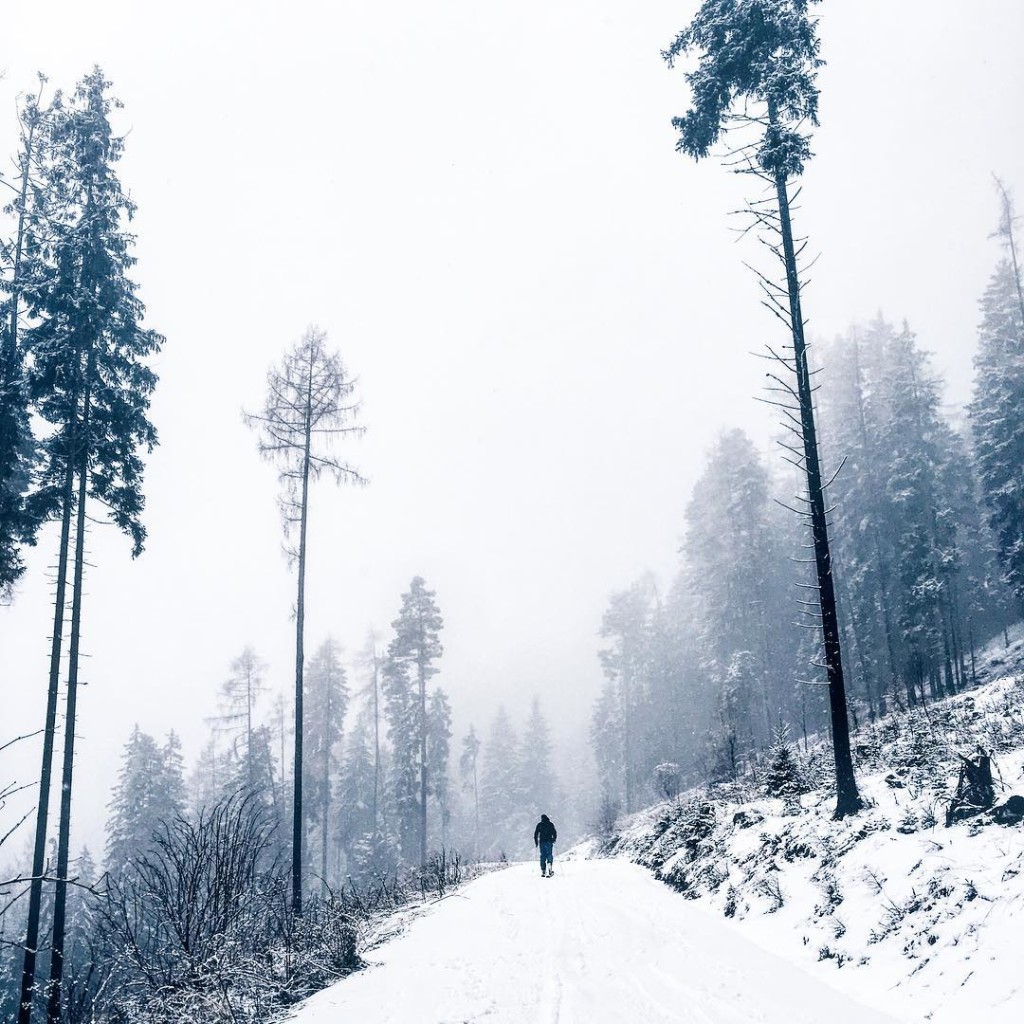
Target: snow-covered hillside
x=600, y=943
x=916, y=918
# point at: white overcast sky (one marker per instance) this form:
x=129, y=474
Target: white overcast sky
x=544, y=303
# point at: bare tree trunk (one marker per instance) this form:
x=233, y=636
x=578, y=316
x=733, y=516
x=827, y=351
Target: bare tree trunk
x=300, y=612
x=1008, y=214
x=248, y=725
x=423, y=756
x=64, y=831
x=9, y=362
x=476, y=812
x=847, y=798
x=325, y=802
x=376, y=737
x=28, y=976
x=42, y=807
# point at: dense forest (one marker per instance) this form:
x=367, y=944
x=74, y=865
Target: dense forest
x=928, y=535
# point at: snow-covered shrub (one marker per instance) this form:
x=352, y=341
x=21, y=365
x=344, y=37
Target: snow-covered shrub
x=201, y=927
x=668, y=779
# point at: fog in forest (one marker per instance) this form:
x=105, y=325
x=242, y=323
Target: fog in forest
x=545, y=308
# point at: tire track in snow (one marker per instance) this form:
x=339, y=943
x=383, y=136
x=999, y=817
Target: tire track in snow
x=600, y=943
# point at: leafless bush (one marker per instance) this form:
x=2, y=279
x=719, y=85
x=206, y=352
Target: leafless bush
x=201, y=927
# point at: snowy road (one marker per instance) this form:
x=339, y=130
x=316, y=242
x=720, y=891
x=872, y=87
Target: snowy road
x=600, y=943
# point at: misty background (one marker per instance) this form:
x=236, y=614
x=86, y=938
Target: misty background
x=548, y=317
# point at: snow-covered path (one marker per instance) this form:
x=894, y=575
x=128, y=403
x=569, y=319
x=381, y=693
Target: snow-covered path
x=600, y=943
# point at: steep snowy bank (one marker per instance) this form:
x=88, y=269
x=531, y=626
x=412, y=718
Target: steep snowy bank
x=916, y=918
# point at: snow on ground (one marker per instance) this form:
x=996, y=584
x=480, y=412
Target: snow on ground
x=919, y=920
x=600, y=943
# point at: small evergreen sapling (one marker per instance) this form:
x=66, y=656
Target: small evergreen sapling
x=782, y=775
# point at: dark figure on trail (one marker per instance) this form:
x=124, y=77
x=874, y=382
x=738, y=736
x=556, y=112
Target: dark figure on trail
x=544, y=836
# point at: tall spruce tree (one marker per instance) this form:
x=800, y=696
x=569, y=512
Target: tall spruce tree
x=439, y=737
x=501, y=804
x=995, y=409
x=919, y=444
x=625, y=661
x=357, y=826
x=733, y=575
x=19, y=520
x=89, y=380
x=309, y=408
x=469, y=771
x=853, y=415
x=413, y=651
x=535, y=755
x=372, y=694
x=765, y=54
x=401, y=709
x=326, y=704
x=150, y=792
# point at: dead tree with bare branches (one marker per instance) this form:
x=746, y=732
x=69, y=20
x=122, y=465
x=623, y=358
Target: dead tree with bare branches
x=309, y=408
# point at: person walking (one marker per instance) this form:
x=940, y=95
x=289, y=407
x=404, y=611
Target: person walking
x=544, y=836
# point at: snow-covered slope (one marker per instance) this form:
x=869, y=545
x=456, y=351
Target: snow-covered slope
x=918, y=919
x=600, y=943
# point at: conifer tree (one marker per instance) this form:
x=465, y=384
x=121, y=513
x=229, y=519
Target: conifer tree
x=357, y=827
x=469, y=770
x=372, y=695
x=439, y=735
x=782, y=775
x=995, y=409
x=853, y=416
x=326, y=704
x=309, y=408
x=89, y=380
x=733, y=576
x=765, y=54
x=500, y=790
x=401, y=709
x=412, y=653
x=919, y=444
x=150, y=792
x=239, y=694
x=19, y=520
x=536, y=778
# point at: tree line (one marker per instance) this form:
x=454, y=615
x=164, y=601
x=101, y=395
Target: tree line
x=927, y=531
x=368, y=721
x=915, y=540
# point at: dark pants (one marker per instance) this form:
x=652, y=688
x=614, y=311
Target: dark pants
x=547, y=855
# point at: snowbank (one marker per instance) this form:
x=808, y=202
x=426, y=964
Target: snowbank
x=917, y=919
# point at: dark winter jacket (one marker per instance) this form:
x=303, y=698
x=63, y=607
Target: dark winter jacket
x=545, y=831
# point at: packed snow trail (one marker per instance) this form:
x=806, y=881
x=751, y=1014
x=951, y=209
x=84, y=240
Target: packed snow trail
x=600, y=943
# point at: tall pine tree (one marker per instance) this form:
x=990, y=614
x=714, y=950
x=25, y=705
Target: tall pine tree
x=995, y=409
x=309, y=408
x=413, y=652
x=758, y=63
x=89, y=380
x=326, y=704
